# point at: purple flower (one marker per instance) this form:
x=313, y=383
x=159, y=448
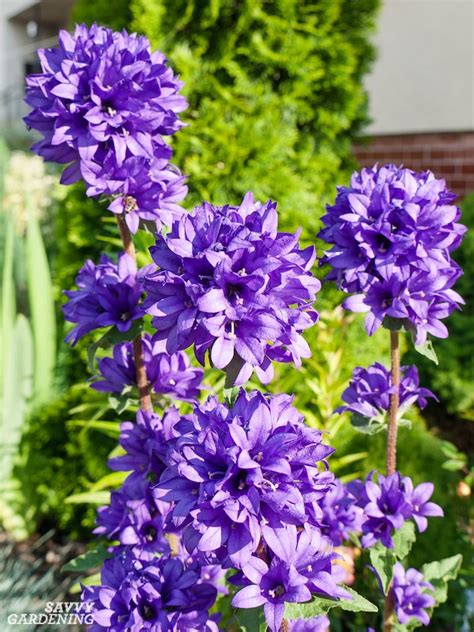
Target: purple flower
x=393, y=231
x=135, y=519
x=411, y=600
x=230, y=284
x=341, y=515
x=167, y=374
x=145, y=443
x=316, y=624
x=388, y=504
x=103, y=103
x=161, y=594
x=233, y=470
x=271, y=587
x=108, y=294
x=369, y=390
x=140, y=189
x=418, y=498
x=297, y=566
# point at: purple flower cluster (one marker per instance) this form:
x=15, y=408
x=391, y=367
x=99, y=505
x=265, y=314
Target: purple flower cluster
x=161, y=594
x=341, y=515
x=142, y=566
x=393, y=231
x=369, y=390
x=246, y=489
x=134, y=517
x=411, y=600
x=230, y=284
x=233, y=470
x=108, y=294
x=296, y=567
x=388, y=504
x=167, y=374
x=103, y=103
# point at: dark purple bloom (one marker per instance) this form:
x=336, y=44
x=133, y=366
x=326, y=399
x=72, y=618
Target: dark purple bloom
x=298, y=565
x=160, y=595
x=103, y=103
x=341, y=516
x=393, y=231
x=388, y=504
x=233, y=470
x=271, y=587
x=167, y=374
x=230, y=284
x=409, y=591
x=146, y=443
x=140, y=189
x=369, y=390
x=108, y=294
x=135, y=519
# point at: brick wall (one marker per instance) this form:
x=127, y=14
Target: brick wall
x=448, y=155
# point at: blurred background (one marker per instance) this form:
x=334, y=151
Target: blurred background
x=287, y=97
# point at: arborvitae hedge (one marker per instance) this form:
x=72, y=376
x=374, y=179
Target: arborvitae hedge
x=275, y=92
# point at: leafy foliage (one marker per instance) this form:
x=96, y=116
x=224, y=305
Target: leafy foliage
x=58, y=459
x=275, y=92
x=321, y=605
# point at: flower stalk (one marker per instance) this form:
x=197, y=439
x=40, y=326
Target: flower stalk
x=142, y=380
x=394, y=403
x=392, y=447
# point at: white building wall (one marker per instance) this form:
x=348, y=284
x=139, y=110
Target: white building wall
x=423, y=78
x=13, y=42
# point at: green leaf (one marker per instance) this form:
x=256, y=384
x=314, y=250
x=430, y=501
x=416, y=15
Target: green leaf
x=231, y=394
x=114, y=479
x=440, y=573
x=43, y=318
x=367, y=425
x=322, y=605
x=111, y=337
x=383, y=561
x=91, y=580
x=454, y=465
x=109, y=428
x=403, y=540
x=17, y=387
x=393, y=324
x=428, y=351
x=251, y=620
x=92, y=498
x=88, y=560
x=121, y=402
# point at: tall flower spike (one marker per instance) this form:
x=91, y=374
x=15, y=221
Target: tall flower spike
x=103, y=103
x=233, y=286
x=393, y=231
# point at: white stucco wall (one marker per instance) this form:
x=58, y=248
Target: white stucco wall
x=13, y=42
x=423, y=79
